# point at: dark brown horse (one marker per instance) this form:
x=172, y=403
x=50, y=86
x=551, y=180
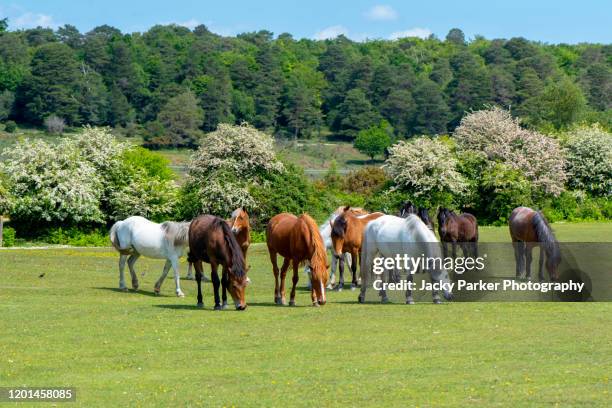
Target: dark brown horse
x=347, y=236
x=211, y=240
x=409, y=208
x=458, y=229
x=528, y=229
x=297, y=239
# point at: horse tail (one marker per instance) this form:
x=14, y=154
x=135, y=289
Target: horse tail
x=238, y=268
x=319, y=253
x=545, y=235
x=113, y=236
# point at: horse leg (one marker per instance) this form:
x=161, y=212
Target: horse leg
x=273, y=259
x=294, y=280
x=518, y=257
x=365, y=264
x=354, y=257
x=341, y=269
x=541, y=264
x=332, y=275
x=198, y=268
x=454, y=248
x=528, y=258
x=214, y=275
x=444, y=249
x=189, y=272
x=409, y=298
x=157, y=287
x=131, y=261
x=435, y=294
x=224, y=284
x=283, y=275
x=177, y=277
x=383, y=293
x=122, y=261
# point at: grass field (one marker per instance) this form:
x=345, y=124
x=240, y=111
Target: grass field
x=72, y=327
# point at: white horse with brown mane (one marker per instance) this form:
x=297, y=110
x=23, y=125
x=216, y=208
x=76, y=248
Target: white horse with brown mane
x=137, y=236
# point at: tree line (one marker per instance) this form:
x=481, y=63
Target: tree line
x=170, y=84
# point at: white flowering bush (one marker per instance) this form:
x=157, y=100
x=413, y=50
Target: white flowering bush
x=497, y=137
x=81, y=180
x=589, y=160
x=51, y=183
x=228, y=162
x=425, y=167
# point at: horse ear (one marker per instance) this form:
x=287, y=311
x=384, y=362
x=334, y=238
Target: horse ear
x=348, y=207
x=331, y=224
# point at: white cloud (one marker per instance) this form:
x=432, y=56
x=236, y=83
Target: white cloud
x=32, y=20
x=190, y=24
x=381, y=12
x=331, y=32
x=412, y=32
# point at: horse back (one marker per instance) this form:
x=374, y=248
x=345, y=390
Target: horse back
x=206, y=241
x=279, y=233
x=521, y=225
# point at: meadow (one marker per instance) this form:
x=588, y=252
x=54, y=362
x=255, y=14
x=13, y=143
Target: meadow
x=66, y=324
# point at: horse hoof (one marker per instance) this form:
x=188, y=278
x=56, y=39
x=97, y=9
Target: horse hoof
x=224, y=306
x=277, y=300
x=156, y=291
x=180, y=294
x=315, y=304
x=384, y=301
x=189, y=278
x=437, y=302
x=329, y=286
x=123, y=289
x=410, y=302
x=360, y=299
x=353, y=286
x=338, y=288
x=200, y=306
x=292, y=303
x=218, y=307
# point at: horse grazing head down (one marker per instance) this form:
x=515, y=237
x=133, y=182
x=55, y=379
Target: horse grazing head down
x=338, y=233
x=240, y=220
x=237, y=269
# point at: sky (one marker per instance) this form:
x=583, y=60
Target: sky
x=540, y=20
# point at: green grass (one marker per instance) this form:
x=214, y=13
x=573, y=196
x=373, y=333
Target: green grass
x=73, y=328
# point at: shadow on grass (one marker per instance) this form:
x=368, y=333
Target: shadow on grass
x=137, y=292
x=182, y=307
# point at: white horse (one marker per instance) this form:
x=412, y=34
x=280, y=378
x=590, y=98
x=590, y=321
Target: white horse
x=389, y=236
x=136, y=236
x=325, y=230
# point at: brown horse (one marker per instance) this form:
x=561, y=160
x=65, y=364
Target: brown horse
x=297, y=239
x=347, y=234
x=528, y=229
x=458, y=229
x=409, y=208
x=211, y=240
x=241, y=227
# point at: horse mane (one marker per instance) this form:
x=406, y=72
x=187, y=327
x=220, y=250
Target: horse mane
x=319, y=253
x=339, y=226
x=176, y=232
x=238, y=268
x=546, y=236
x=423, y=214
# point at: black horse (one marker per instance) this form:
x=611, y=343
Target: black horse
x=409, y=208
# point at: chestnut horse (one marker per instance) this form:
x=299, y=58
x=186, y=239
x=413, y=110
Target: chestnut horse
x=528, y=229
x=297, y=239
x=211, y=240
x=241, y=227
x=347, y=235
x=458, y=229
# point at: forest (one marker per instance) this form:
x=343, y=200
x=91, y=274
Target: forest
x=170, y=84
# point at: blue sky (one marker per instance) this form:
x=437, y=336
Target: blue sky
x=546, y=20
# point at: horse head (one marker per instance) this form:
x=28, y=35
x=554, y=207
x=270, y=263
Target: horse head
x=338, y=233
x=407, y=208
x=239, y=220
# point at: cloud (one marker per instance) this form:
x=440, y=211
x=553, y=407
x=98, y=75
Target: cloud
x=412, y=32
x=32, y=20
x=190, y=24
x=381, y=12
x=331, y=32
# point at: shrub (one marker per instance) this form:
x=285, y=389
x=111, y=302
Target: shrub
x=504, y=189
x=76, y=237
x=222, y=171
x=54, y=124
x=8, y=236
x=589, y=160
x=496, y=137
x=10, y=126
x=367, y=180
x=425, y=168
